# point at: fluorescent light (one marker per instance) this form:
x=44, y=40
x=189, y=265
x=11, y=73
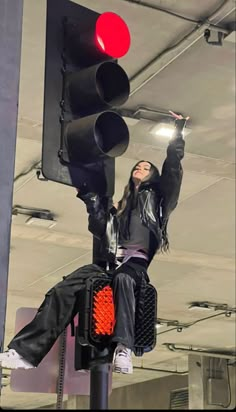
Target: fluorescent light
x=200, y=308
x=163, y=129
x=166, y=130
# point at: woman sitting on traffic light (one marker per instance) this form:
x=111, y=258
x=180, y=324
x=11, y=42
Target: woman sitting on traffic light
x=131, y=234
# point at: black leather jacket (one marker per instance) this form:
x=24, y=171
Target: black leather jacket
x=155, y=202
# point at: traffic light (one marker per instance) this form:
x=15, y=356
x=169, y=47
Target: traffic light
x=96, y=318
x=82, y=135
x=96, y=312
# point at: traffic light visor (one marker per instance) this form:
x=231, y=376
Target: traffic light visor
x=98, y=87
x=97, y=136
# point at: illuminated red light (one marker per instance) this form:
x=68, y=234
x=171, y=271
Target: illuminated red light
x=103, y=312
x=112, y=35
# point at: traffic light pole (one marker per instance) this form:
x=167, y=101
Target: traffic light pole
x=10, y=50
x=99, y=382
x=82, y=134
x=99, y=370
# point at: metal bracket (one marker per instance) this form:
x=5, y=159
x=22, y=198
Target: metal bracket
x=40, y=176
x=207, y=35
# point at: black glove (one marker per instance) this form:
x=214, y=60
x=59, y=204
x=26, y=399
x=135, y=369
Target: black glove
x=175, y=150
x=179, y=127
x=180, y=124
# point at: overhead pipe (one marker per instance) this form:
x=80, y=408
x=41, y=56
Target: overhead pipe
x=174, y=372
x=163, y=59
x=180, y=326
x=179, y=16
x=220, y=354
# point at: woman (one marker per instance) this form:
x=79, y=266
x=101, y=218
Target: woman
x=131, y=234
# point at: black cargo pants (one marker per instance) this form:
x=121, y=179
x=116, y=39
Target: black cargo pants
x=128, y=285
x=55, y=313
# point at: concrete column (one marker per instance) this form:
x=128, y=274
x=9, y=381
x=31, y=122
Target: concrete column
x=210, y=385
x=10, y=52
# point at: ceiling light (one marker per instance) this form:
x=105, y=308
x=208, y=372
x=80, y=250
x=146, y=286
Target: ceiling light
x=163, y=130
x=200, y=308
x=212, y=306
x=37, y=216
x=166, y=130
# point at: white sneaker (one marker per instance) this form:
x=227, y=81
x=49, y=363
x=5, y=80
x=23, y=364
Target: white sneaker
x=12, y=360
x=122, y=362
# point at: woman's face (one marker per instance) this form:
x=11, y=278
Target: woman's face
x=141, y=171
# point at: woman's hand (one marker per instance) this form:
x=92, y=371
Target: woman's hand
x=178, y=116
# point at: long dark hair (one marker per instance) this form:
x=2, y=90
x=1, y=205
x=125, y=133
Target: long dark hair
x=129, y=195
x=129, y=199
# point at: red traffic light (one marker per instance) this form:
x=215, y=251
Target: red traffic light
x=103, y=312
x=112, y=35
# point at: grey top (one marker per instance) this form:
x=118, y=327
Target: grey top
x=139, y=234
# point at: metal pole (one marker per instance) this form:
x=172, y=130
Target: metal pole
x=99, y=371
x=10, y=51
x=99, y=377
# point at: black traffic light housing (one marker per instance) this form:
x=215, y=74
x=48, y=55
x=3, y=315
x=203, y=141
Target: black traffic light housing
x=82, y=135
x=96, y=312
x=96, y=320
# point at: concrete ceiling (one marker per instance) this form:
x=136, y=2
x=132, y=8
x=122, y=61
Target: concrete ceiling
x=193, y=78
